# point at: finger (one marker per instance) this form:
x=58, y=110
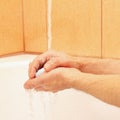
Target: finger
x=45, y=88
x=52, y=64
x=32, y=83
x=37, y=81
x=37, y=63
x=41, y=89
x=31, y=72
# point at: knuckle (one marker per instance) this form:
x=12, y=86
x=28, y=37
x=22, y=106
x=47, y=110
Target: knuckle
x=56, y=61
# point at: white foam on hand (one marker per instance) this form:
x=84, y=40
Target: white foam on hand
x=39, y=72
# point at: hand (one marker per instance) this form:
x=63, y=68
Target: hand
x=54, y=80
x=50, y=60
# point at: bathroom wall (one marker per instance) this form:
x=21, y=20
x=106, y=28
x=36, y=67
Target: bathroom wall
x=79, y=27
x=76, y=26
x=11, y=28
x=111, y=28
x=35, y=27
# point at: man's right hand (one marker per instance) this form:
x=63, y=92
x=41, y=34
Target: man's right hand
x=50, y=60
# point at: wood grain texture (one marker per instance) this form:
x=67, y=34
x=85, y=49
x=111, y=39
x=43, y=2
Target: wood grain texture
x=76, y=26
x=111, y=28
x=35, y=29
x=11, y=36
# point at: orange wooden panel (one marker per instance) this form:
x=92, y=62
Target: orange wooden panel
x=11, y=35
x=111, y=28
x=35, y=30
x=76, y=26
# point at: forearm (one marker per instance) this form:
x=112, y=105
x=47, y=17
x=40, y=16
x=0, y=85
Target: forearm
x=103, y=87
x=97, y=65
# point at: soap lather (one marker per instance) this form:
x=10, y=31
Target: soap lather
x=40, y=71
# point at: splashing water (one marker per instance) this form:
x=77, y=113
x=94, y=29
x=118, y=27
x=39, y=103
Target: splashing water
x=40, y=104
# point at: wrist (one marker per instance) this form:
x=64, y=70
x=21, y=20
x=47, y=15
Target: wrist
x=86, y=64
x=84, y=82
x=78, y=62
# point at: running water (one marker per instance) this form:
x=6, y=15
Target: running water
x=40, y=103
x=49, y=19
